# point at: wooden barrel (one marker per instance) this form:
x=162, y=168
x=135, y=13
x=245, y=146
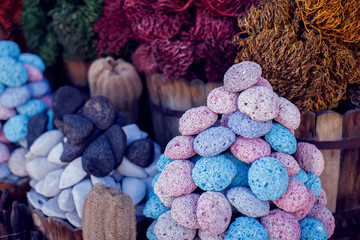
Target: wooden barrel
x=17, y=186
x=169, y=99
x=76, y=73
x=338, y=138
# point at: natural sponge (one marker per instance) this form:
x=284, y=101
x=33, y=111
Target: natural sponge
x=108, y=213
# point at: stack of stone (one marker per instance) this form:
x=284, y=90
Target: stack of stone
x=90, y=145
x=24, y=93
x=246, y=178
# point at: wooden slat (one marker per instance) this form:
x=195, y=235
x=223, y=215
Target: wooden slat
x=329, y=128
x=349, y=179
x=55, y=228
x=307, y=128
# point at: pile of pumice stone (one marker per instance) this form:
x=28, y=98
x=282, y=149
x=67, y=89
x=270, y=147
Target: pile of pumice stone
x=244, y=178
x=90, y=145
x=24, y=93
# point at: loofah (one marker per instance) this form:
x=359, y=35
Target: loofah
x=38, y=31
x=73, y=25
x=108, y=213
x=311, y=71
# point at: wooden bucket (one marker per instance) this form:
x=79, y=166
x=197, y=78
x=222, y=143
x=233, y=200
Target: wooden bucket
x=338, y=138
x=169, y=99
x=76, y=72
x=17, y=187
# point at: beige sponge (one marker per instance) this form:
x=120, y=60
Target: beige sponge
x=108, y=214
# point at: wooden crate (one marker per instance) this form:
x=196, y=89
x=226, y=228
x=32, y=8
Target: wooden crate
x=169, y=99
x=338, y=138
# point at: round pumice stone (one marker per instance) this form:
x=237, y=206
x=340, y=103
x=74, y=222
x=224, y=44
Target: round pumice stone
x=6, y=113
x=196, y=120
x=259, y=103
x=154, y=207
x=15, y=128
x=322, y=214
x=281, y=139
x=167, y=229
x=289, y=115
x=295, y=197
x=314, y=183
x=98, y=158
x=241, y=76
x=40, y=88
x=309, y=158
x=180, y=147
x=76, y=127
x=292, y=167
x=246, y=228
x=175, y=179
x=31, y=108
x=263, y=82
x=246, y=127
x=312, y=229
x=221, y=101
x=13, y=97
x=248, y=150
x=183, y=210
x=242, y=170
x=140, y=152
x=9, y=49
x=36, y=127
x=300, y=214
x=268, y=178
x=162, y=162
x=301, y=176
x=66, y=100
x=213, y=141
x=150, y=232
x=33, y=60
x=100, y=111
x=213, y=212
x=12, y=73
x=117, y=138
x=321, y=199
x=281, y=225
x=246, y=202
x=213, y=173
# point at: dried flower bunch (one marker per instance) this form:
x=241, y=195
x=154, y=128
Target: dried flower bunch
x=10, y=21
x=308, y=49
x=61, y=27
x=39, y=34
x=182, y=38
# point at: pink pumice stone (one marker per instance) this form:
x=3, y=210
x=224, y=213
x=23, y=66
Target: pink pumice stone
x=248, y=150
x=259, y=103
x=310, y=158
x=180, y=147
x=213, y=212
x=241, y=76
x=295, y=197
x=289, y=115
x=281, y=225
x=196, y=120
x=291, y=165
x=176, y=180
x=221, y=101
